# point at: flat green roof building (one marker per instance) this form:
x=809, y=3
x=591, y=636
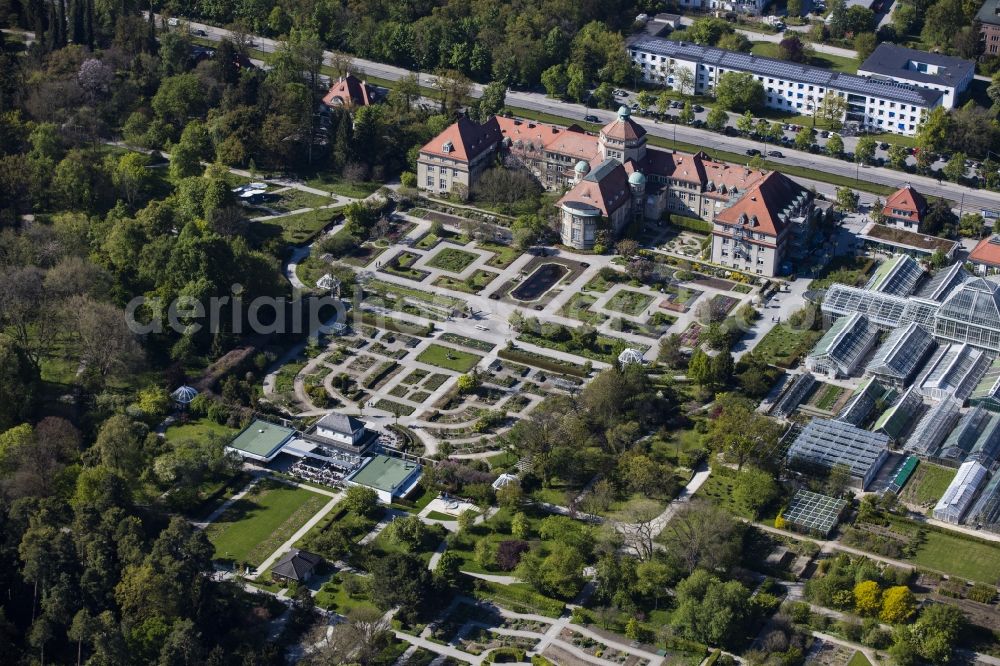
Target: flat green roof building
x=261, y=440
x=389, y=477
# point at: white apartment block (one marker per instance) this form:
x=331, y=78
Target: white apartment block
x=947, y=74
x=876, y=104
x=754, y=7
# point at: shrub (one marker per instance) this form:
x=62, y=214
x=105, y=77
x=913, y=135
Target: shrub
x=982, y=593
x=691, y=224
x=509, y=553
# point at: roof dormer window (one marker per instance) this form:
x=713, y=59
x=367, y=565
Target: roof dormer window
x=447, y=147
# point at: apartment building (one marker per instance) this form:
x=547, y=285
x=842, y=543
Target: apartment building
x=989, y=26
x=948, y=75
x=878, y=104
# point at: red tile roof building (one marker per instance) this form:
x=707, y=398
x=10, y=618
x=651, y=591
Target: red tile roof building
x=986, y=256
x=905, y=208
x=349, y=92
x=755, y=233
x=612, y=178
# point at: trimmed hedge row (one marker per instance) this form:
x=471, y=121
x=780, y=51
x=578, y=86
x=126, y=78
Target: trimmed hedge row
x=690, y=223
x=394, y=325
x=550, y=364
x=383, y=371
x=518, y=596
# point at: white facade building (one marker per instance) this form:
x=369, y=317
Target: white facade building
x=877, y=104
x=946, y=74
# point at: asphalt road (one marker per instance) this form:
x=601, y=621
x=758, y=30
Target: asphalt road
x=966, y=198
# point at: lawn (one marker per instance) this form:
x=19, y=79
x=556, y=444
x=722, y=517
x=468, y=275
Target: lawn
x=976, y=559
x=297, y=229
x=335, y=184
x=823, y=60
x=630, y=302
x=503, y=255
x=471, y=343
x=473, y=284
x=401, y=265
x=452, y=260
x=578, y=307
x=256, y=525
x=386, y=288
x=448, y=358
x=502, y=460
x=828, y=397
x=294, y=199
x=600, y=283
x=859, y=659
x=437, y=515
x=927, y=484
x=199, y=430
x=332, y=596
x=783, y=345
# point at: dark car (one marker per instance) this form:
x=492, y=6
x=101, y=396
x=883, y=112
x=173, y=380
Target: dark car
x=883, y=146
x=775, y=153
x=592, y=119
x=698, y=123
x=815, y=148
x=730, y=131
x=675, y=105
x=753, y=152
x=824, y=134
x=199, y=32
x=698, y=108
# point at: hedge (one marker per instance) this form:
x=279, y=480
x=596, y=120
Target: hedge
x=538, y=361
x=490, y=591
x=506, y=655
x=382, y=372
x=690, y=223
x=394, y=325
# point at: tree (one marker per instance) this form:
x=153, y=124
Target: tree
x=971, y=225
x=467, y=383
x=794, y=8
x=710, y=611
x=831, y=111
x=663, y=102
x=645, y=99
x=401, y=580
x=739, y=91
x=700, y=368
x=835, y=145
x=708, y=31
x=576, y=84
x=932, y=134
x=703, y=535
x=753, y=490
x=670, y=352
x=520, y=527
x=555, y=80
x=864, y=152
x=954, y=168
x=453, y=89
x=936, y=631
x=803, y=140
x=684, y=80
x=847, y=199
x=686, y=116
x=735, y=41
x=559, y=574
x=717, y=119
x=939, y=220
x=745, y=122
x=897, y=156
x=943, y=20
x=361, y=500
x=898, y=605
x=793, y=49
x=864, y=44
x=867, y=597
x=743, y=434
x=492, y=101
x=652, y=578
x=604, y=96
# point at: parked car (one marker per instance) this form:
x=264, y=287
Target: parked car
x=753, y=152
x=199, y=32
x=698, y=108
x=815, y=148
x=675, y=104
x=824, y=134
x=883, y=146
x=173, y=22
x=635, y=106
x=731, y=131
x=591, y=119
x=775, y=153
x=700, y=124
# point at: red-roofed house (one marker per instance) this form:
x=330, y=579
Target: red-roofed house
x=755, y=233
x=605, y=197
x=905, y=208
x=457, y=155
x=349, y=92
x=986, y=257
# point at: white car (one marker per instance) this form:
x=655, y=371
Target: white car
x=173, y=22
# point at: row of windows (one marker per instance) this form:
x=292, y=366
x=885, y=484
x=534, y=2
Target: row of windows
x=444, y=171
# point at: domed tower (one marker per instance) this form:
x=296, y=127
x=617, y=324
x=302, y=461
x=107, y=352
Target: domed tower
x=637, y=184
x=623, y=139
x=581, y=169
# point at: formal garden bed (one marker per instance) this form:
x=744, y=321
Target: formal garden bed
x=578, y=307
x=473, y=284
x=401, y=265
x=452, y=259
x=629, y=302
